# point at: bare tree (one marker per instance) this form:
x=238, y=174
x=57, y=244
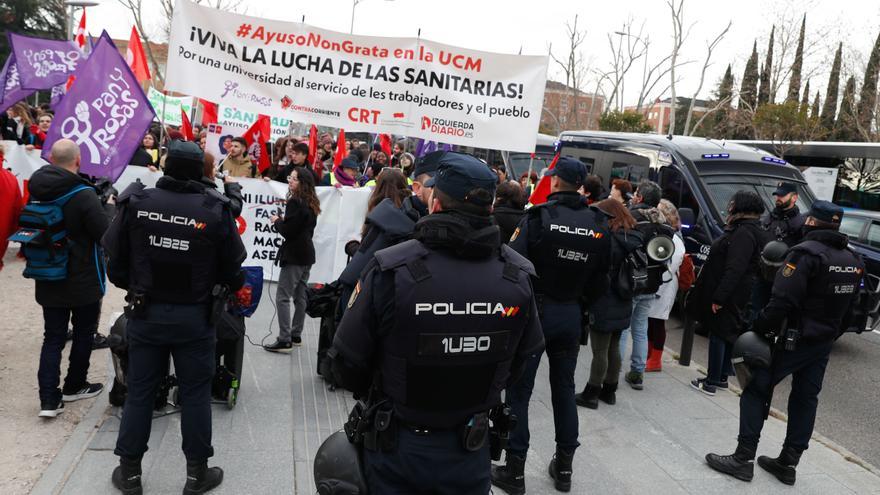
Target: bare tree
x=819, y=39
x=625, y=52
x=168, y=10
x=709, y=49
x=679, y=34
x=719, y=105
x=651, y=76
x=573, y=65
x=134, y=6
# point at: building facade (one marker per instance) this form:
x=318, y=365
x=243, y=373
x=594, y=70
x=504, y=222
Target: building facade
x=566, y=108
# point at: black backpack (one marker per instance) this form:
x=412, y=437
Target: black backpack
x=648, y=273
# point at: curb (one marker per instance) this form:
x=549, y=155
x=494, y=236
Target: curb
x=62, y=466
x=776, y=413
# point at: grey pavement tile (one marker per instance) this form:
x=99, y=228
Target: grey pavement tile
x=765, y=484
x=92, y=474
x=862, y=483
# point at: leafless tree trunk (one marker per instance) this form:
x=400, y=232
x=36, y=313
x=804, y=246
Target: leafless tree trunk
x=624, y=54
x=573, y=66
x=709, y=49
x=678, y=37
x=788, y=16
x=718, y=106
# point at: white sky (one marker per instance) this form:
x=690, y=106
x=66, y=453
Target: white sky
x=505, y=26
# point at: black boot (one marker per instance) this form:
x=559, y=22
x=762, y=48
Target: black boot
x=511, y=477
x=607, y=395
x=589, y=398
x=740, y=464
x=127, y=476
x=560, y=470
x=200, y=478
x=783, y=467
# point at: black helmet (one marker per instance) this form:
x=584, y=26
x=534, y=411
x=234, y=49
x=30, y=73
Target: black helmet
x=772, y=257
x=750, y=352
x=338, y=467
x=184, y=161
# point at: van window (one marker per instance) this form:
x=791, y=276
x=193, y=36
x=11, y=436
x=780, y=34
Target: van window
x=722, y=188
x=874, y=234
x=676, y=189
x=852, y=226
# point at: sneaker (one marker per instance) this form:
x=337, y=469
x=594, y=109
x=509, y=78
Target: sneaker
x=51, y=409
x=634, y=378
x=297, y=341
x=99, y=342
x=278, y=346
x=88, y=391
x=703, y=385
x=722, y=384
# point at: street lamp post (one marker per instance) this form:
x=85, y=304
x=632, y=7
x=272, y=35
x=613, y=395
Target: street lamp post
x=354, y=4
x=71, y=4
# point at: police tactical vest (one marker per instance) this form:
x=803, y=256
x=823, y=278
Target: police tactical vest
x=458, y=324
x=830, y=290
x=174, y=244
x=567, y=248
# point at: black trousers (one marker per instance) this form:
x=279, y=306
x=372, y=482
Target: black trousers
x=184, y=333
x=806, y=365
x=85, y=323
x=434, y=463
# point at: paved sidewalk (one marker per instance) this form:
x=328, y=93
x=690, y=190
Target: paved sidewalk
x=652, y=441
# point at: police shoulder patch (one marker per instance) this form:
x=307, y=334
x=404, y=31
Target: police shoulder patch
x=788, y=270
x=354, y=295
x=515, y=235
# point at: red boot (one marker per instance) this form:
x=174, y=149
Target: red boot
x=655, y=360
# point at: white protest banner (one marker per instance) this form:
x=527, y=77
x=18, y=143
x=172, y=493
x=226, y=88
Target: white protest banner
x=822, y=181
x=239, y=121
x=404, y=86
x=172, y=106
x=336, y=226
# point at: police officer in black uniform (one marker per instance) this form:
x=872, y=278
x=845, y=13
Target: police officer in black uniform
x=435, y=329
x=172, y=247
x=784, y=223
x=569, y=244
x=812, y=297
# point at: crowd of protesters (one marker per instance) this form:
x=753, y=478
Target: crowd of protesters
x=616, y=319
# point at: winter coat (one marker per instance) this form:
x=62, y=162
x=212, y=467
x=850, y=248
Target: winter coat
x=85, y=220
x=297, y=227
x=662, y=305
x=612, y=311
x=10, y=209
x=10, y=130
x=726, y=278
x=242, y=167
x=507, y=217
x=141, y=158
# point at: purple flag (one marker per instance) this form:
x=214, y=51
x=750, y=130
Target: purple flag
x=105, y=112
x=10, y=85
x=58, y=92
x=44, y=63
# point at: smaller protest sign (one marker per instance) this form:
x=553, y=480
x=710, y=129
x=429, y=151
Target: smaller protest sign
x=44, y=63
x=170, y=105
x=11, y=91
x=105, y=113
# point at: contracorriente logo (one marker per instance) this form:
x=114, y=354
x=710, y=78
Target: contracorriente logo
x=471, y=308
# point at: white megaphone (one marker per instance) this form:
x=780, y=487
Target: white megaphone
x=660, y=248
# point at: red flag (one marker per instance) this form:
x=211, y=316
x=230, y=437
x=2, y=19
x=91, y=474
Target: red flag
x=313, y=144
x=341, y=152
x=260, y=133
x=186, y=128
x=385, y=143
x=81, y=32
x=136, y=57
x=209, y=112
x=542, y=190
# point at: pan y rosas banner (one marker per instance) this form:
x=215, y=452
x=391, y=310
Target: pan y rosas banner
x=403, y=86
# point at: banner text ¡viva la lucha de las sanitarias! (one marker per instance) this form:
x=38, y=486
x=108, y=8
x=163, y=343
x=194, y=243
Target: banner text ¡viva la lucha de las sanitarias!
x=403, y=86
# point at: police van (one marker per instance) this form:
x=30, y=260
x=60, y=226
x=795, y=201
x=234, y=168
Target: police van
x=698, y=175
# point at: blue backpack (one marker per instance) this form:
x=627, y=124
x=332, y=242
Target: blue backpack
x=43, y=237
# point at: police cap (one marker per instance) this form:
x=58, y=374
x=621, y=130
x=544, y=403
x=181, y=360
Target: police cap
x=184, y=161
x=428, y=163
x=569, y=170
x=784, y=188
x=826, y=211
x=459, y=174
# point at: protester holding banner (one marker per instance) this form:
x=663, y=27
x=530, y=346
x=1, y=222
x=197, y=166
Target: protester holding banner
x=346, y=174
x=237, y=163
x=296, y=257
x=147, y=154
x=297, y=156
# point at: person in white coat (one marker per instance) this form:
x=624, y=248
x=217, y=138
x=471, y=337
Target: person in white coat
x=661, y=306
